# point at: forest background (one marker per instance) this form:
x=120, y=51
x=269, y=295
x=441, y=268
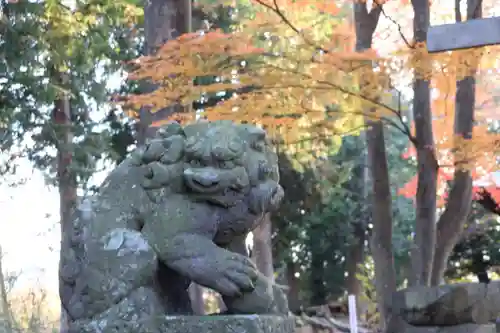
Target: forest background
x=384, y=138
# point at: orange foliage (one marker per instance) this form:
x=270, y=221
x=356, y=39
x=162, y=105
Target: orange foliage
x=327, y=7
x=478, y=154
x=295, y=71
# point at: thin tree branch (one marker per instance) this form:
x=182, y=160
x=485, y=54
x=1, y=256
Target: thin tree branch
x=400, y=29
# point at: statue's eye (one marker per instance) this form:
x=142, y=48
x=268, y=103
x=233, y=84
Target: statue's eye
x=226, y=165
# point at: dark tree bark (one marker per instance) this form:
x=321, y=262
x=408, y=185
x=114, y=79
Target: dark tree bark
x=293, y=287
x=61, y=118
x=381, y=241
x=355, y=257
x=262, y=253
x=356, y=251
x=196, y=296
x=317, y=285
x=425, y=229
x=452, y=221
x=163, y=20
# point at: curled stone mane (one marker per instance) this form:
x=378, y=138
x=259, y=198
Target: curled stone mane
x=163, y=159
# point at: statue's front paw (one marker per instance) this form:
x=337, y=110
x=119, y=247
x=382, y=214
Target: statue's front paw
x=235, y=275
x=266, y=298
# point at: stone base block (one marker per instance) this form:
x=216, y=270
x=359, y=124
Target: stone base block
x=229, y=324
x=465, y=328
x=447, y=305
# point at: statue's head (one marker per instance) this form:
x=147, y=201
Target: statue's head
x=225, y=161
x=219, y=162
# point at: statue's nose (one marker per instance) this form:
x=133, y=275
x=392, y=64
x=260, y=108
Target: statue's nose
x=206, y=178
x=207, y=181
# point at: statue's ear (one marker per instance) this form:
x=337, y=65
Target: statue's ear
x=173, y=128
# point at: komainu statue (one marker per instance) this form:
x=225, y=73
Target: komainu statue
x=176, y=211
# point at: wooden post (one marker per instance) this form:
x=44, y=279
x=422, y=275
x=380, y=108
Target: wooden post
x=353, y=316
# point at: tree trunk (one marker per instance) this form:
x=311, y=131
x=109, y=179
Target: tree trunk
x=293, y=287
x=196, y=296
x=425, y=225
x=452, y=221
x=355, y=253
x=163, y=20
x=61, y=117
x=317, y=270
x=355, y=257
x=262, y=252
x=381, y=242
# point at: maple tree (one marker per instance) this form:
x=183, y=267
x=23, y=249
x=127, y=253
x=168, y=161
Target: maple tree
x=465, y=145
x=299, y=80
x=480, y=153
x=286, y=63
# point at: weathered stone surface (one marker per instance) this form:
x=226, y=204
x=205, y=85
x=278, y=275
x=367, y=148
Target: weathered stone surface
x=139, y=312
x=475, y=303
x=123, y=319
x=469, y=328
x=465, y=328
x=176, y=211
x=118, y=263
x=229, y=324
x=397, y=325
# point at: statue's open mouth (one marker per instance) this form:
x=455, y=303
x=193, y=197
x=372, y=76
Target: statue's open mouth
x=220, y=197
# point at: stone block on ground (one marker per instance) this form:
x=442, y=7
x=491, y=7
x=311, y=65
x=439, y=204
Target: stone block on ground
x=229, y=324
x=465, y=328
x=469, y=328
x=455, y=304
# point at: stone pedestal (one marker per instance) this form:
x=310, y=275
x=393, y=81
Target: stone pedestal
x=189, y=324
x=229, y=324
